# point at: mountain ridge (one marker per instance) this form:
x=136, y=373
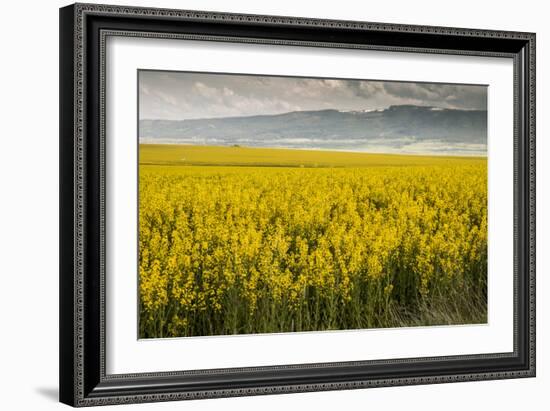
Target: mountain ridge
x=396, y=126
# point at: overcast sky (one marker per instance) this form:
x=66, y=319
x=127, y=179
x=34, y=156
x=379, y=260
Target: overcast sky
x=182, y=95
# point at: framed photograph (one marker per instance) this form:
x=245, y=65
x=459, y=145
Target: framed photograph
x=261, y=204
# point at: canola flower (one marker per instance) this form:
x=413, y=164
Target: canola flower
x=232, y=250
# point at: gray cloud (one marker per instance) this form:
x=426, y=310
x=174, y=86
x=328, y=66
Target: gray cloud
x=442, y=95
x=183, y=95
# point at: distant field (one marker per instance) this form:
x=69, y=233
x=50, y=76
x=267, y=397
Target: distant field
x=236, y=240
x=167, y=154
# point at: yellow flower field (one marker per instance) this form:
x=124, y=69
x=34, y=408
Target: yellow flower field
x=240, y=240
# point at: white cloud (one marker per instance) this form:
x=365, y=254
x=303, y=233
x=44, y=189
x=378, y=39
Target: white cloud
x=183, y=95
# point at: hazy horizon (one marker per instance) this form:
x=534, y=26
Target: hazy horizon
x=312, y=113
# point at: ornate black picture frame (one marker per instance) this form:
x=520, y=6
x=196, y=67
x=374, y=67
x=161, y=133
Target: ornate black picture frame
x=83, y=32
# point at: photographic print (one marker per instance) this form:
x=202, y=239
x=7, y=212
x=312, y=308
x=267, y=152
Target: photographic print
x=261, y=204
x=275, y=204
